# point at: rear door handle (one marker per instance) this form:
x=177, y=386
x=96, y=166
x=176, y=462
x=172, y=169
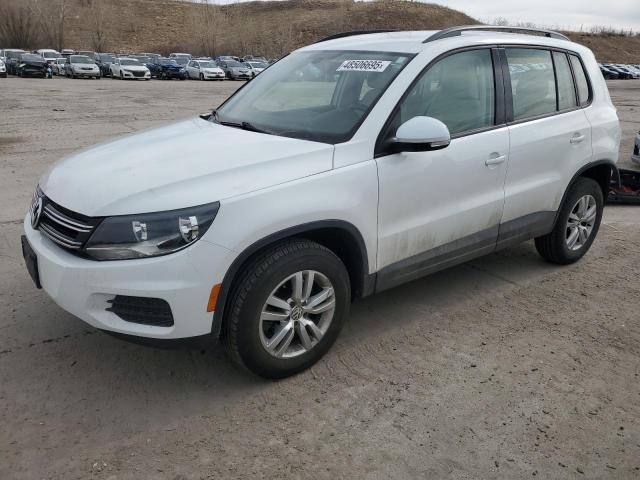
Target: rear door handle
x=577, y=138
x=495, y=159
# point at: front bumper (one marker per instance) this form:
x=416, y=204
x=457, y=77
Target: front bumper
x=84, y=287
x=214, y=76
x=126, y=74
x=86, y=73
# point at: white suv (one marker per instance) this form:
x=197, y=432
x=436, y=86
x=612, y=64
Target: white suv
x=348, y=167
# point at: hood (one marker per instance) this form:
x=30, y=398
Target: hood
x=134, y=68
x=84, y=65
x=211, y=70
x=181, y=165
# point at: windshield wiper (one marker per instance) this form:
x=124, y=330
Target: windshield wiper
x=244, y=126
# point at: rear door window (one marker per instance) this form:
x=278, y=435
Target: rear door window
x=532, y=82
x=566, y=89
x=581, y=80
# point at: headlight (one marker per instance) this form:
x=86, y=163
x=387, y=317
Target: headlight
x=150, y=234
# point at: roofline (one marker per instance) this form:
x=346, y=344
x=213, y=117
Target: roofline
x=352, y=33
x=457, y=31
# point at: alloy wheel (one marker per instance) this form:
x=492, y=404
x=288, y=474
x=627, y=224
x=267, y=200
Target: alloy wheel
x=581, y=222
x=297, y=314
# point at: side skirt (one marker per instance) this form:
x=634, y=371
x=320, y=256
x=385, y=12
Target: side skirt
x=465, y=249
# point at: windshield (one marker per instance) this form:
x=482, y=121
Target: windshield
x=258, y=64
x=208, y=65
x=182, y=60
x=30, y=57
x=233, y=63
x=322, y=95
x=50, y=54
x=142, y=59
x=106, y=58
x=167, y=61
x=129, y=61
x=80, y=59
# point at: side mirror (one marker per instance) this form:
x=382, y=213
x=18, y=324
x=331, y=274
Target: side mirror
x=421, y=134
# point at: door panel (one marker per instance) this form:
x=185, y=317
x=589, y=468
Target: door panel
x=440, y=207
x=431, y=199
x=544, y=155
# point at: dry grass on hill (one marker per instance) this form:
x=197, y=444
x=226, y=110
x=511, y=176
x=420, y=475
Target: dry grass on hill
x=266, y=28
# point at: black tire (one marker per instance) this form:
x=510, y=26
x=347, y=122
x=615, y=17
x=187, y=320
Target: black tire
x=201, y=77
x=553, y=246
x=256, y=281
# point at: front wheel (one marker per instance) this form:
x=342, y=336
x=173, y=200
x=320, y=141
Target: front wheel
x=576, y=226
x=287, y=308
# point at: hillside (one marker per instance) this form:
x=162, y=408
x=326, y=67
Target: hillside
x=266, y=28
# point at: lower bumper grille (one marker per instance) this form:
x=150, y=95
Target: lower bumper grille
x=143, y=310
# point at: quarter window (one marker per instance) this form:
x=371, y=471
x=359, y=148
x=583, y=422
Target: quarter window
x=566, y=90
x=532, y=82
x=581, y=80
x=459, y=90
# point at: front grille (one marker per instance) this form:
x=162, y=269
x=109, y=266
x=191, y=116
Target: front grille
x=138, y=74
x=68, y=229
x=143, y=310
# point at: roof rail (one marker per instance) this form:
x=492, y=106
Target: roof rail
x=354, y=32
x=456, y=31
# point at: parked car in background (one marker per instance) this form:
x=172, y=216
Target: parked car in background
x=608, y=73
x=104, y=61
x=88, y=53
x=622, y=74
x=3, y=69
x=204, y=70
x=224, y=58
x=78, y=66
x=12, y=60
x=57, y=67
x=153, y=56
x=235, y=70
x=255, y=66
x=635, y=155
x=49, y=55
x=129, y=68
x=66, y=52
x=252, y=58
x=169, y=69
x=31, y=65
x=625, y=68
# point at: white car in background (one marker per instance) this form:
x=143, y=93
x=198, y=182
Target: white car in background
x=255, y=66
x=124, y=68
x=81, y=66
x=3, y=69
x=204, y=70
x=49, y=55
x=57, y=67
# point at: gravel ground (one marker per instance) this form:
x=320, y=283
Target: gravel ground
x=505, y=367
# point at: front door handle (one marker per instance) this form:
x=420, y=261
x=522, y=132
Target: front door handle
x=577, y=138
x=495, y=159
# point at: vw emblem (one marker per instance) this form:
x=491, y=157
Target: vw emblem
x=296, y=313
x=36, y=210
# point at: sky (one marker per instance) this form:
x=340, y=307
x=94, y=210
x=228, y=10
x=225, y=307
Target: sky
x=558, y=14
x=569, y=14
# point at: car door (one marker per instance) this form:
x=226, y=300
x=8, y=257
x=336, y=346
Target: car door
x=438, y=208
x=550, y=139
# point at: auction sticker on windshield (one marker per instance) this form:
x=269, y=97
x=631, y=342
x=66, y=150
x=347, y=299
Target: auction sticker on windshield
x=363, y=66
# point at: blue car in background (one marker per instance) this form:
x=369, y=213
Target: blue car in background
x=168, y=68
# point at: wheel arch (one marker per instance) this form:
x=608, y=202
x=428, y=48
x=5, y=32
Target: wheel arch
x=604, y=172
x=339, y=236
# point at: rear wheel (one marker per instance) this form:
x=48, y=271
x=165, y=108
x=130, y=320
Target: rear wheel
x=287, y=308
x=576, y=226
x=201, y=77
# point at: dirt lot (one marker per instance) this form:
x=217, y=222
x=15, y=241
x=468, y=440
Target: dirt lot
x=506, y=367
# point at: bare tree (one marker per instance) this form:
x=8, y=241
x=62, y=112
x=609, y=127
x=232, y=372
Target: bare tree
x=207, y=26
x=51, y=16
x=98, y=12
x=18, y=28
